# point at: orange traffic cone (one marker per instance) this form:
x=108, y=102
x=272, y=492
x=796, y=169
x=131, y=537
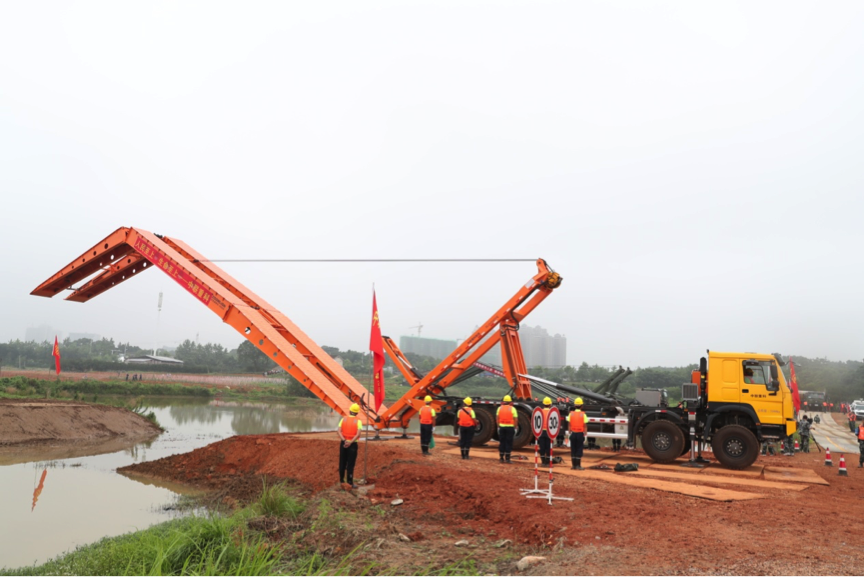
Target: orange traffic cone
x=842, y=466
x=828, y=458
x=796, y=446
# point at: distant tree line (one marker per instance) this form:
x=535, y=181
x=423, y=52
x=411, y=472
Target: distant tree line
x=840, y=380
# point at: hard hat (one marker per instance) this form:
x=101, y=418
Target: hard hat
x=427, y=399
x=355, y=408
x=548, y=401
x=578, y=401
x=467, y=401
x=507, y=399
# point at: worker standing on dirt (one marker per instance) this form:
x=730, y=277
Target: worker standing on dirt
x=578, y=423
x=861, y=447
x=467, y=422
x=544, y=441
x=506, y=419
x=851, y=418
x=427, y=418
x=805, y=435
x=349, y=431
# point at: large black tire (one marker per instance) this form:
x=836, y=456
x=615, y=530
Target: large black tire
x=485, y=428
x=735, y=446
x=663, y=441
x=523, y=435
x=687, y=448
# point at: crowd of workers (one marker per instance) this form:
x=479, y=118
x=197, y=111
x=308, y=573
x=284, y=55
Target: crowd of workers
x=506, y=420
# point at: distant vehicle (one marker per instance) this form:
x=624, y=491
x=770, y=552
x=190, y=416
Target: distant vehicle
x=858, y=407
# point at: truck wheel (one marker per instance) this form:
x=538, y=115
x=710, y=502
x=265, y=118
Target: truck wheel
x=523, y=435
x=687, y=448
x=485, y=428
x=663, y=441
x=735, y=446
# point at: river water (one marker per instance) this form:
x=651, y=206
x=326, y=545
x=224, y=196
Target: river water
x=48, y=507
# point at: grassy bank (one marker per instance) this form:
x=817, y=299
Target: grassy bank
x=280, y=533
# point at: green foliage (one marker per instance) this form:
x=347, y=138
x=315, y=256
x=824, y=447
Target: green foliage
x=276, y=502
x=29, y=387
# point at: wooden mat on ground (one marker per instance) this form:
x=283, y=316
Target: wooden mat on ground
x=700, y=491
x=698, y=478
x=796, y=475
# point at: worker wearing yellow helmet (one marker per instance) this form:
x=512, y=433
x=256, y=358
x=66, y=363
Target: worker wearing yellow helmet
x=544, y=441
x=578, y=424
x=467, y=422
x=427, y=420
x=506, y=419
x=349, y=430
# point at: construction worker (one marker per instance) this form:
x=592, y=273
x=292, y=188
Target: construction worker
x=427, y=420
x=506, y=419
x=749, y=376
x=467, y=422
x=851, y=418
x=578, y=423
x=805, y=435
x=861, y=448
x=349, y=431
x=544, y=441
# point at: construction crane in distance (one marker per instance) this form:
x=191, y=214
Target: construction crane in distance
x=418, y=327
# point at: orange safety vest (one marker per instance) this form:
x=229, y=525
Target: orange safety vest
x=577, y=422
x=467, y=418
x=546, y=416
x=426, y=415
x=852, y=416
x=824, y=404
x=349, y=426
x=860, y=433
x=506, y=417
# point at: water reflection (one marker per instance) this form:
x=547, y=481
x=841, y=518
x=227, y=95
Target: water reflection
x=38, y=490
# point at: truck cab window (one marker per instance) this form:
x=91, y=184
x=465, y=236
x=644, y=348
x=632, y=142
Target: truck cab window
x=759, y=373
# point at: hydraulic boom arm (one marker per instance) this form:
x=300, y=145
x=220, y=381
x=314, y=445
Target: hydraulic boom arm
x=128, y=252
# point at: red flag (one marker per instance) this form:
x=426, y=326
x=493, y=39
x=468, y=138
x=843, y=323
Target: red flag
x=794, y=386
x=56, y=354
x=377, y=348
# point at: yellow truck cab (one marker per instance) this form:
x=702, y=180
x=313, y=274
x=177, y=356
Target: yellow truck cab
x=735, y=401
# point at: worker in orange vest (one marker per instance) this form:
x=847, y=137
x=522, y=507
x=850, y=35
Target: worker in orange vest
x=851, y=417
x=861, y=448
x=578, y=423
x=544, y=441
x=427, y=420
x=506, y=419
x=349, y=431
x=467, y=422
x=824, y=406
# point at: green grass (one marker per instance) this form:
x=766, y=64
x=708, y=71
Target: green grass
x=275, y=502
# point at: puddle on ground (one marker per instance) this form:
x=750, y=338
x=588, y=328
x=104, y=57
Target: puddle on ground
x=54, y=498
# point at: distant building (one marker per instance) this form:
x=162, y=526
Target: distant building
x=539, y=349
x=152, y=360
x=41, y=334
x=435, y=348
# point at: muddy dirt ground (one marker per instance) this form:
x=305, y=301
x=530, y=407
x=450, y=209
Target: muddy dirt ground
x=609, y=528
x=41, y=422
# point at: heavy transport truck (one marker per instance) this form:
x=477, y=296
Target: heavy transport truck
x=735, y=400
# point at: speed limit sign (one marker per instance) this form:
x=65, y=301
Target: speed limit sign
x=537, y=422
x=554, y=421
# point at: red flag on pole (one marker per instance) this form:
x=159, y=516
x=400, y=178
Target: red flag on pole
x=56, y=354
x=794, y=387
x=377, y=348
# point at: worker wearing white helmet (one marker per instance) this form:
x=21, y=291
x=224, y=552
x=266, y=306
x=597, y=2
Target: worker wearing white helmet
x=427, y=419
x=544, y=441
x=349, y=430
x=578, y=424
x=506, y=419
x=467, y=422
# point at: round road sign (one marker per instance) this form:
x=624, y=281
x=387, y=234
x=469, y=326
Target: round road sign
x=538, y=422
x=554, y=421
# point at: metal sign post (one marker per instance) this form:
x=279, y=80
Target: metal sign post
x=553, y=425
x=537, y=429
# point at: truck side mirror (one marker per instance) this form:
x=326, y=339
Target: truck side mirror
x=774, y=369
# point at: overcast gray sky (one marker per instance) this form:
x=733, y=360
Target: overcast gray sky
x=694, y=170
